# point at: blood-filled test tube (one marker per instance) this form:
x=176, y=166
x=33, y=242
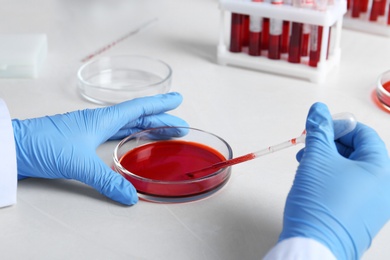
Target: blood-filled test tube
x=285, y=37
x=305, y=40
x=294, y=49
x=265, y=31
x=356, y=8
x=235, y=33
x=255, y=27
x=363, y=6
x=382, y=8
x=375, y=10
x=388, y=16
x=285, y=31
x=275, y=35
x=265, y=34
x=245, y=30
x=307, y=4
x=315, y=45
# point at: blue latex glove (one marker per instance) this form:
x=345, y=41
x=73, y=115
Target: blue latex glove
x=341, y=192
x=64, y=146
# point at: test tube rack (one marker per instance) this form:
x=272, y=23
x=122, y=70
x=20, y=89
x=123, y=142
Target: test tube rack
x=361, y=21
x=330, y=18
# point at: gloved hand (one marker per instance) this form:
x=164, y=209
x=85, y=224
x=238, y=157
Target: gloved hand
x=341, y=192
x=64, y=146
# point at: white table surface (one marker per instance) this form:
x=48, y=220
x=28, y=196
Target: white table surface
x=60, y=219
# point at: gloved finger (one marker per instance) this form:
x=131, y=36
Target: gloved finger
x=363, y=144
x=107, y=182
x=148, y=122
x=300, y=154
x=140, y=107
x=319, y=126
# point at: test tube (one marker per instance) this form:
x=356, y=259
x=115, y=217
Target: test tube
x=235, y=33
x=285, y=31
x=363, y=6
x=307, y=4
x=255, y=26
x=315, y=45
x=356, y=8
x=316, y=36
x=376, y=4
x=265, y=31
x=275, y=35
x=382, y=8
x=245, y=30
x=294, y=50
x=388, y=16
x=265, y=34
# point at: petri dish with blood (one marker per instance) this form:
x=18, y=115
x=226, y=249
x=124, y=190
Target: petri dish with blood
x=156, y=161
x=383, y=90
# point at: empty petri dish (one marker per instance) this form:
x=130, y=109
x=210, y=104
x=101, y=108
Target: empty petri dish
x=114, y=79
x=383, y=90
x=156, y=161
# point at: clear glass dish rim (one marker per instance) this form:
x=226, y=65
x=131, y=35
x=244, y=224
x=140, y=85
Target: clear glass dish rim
x=87, y=83
x=379, y=87
x=125, y=171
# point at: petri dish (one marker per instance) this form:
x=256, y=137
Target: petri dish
x=383, y=90
x=156, y=161
x=114, y=79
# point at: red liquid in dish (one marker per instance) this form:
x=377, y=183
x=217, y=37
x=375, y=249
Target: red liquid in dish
x=166, y=162
x=383, y=98
x=387, y=86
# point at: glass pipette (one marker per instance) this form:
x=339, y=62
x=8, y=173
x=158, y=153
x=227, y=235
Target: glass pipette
x=343, y=123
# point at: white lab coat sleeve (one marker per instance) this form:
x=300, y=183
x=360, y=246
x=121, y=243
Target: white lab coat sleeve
x=8, y=172
x=299, y=248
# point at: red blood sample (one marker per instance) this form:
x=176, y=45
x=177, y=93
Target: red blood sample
x=305, y=40
x=376, y=4
x=285, y=37
x=168, y=161
x=294, y=51
x=255, y=43
x=387, y=86
x=245, y=30
x=382, y=8
x=363, y=6
x=388, y=16
x=315, y=45
x=255, y=27
x=356, y=8
x=305, y=44
x=385, y=100
x=236, y=33
x=275, y=35
x=307, y=4
x=265, y=34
